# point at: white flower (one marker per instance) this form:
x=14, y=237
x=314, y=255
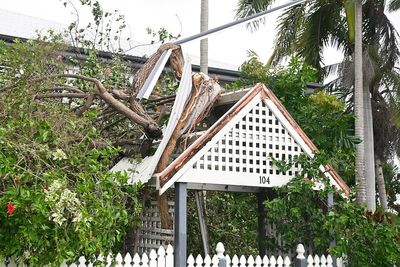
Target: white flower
x=59, y=155
x=64, y=203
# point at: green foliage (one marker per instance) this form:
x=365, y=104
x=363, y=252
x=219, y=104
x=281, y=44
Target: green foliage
x=392, y=184
x=58, y=198
x=324, y=120
x=366, y=239
x=161, y=35
x=301, y=215
x=231, y=219
x=321, y=116
x=298, y=216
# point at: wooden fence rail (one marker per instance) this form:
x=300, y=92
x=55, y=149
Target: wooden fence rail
x=165, y=258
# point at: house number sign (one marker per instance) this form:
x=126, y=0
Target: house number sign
x=264, y=180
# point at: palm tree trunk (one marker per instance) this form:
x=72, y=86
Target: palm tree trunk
x=359, y=106
x=204, y=42
x=380, y=180
x=369, y=149
x=200, y=196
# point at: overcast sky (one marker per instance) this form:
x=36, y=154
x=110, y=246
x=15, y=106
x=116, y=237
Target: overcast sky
x=229, y=46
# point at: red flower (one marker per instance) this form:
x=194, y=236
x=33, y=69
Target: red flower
x=10, y=208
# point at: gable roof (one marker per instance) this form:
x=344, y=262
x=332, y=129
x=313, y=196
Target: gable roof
x=223, y=151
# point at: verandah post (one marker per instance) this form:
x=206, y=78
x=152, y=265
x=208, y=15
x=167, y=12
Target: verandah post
x=180, y=227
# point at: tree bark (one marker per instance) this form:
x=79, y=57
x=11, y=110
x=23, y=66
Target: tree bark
x=204, y=42
x=380, y=180
x=150, y=126
x=369, y=150
x=166, y=221
x=359, y=106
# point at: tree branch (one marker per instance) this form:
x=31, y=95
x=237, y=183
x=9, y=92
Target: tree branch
x=65, y=88
x=61, y=95
x=149, y=124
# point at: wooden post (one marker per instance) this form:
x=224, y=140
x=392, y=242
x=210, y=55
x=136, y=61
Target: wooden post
x=180, y=228
x=261, y=197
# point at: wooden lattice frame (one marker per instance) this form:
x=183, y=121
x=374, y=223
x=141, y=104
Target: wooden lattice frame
x=236, y=150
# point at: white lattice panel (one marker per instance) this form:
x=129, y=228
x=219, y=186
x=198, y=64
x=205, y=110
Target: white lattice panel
x=244, y=153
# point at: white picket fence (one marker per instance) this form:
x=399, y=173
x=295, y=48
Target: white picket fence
x=165, y=258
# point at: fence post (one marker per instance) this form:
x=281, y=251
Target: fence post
x=220, y=254
x=300, y=260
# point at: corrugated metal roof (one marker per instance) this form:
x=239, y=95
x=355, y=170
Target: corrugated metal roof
x=155, y=73
x=145, y=169
x=25, y=26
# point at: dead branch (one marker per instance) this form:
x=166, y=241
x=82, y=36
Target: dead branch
x=108, y=126
x=166, y=221
x=171, y=100
x=162, y=98
x=146, y=122
x=61, y=95
x=64, y=88
x=120, y=94
x=88, y=104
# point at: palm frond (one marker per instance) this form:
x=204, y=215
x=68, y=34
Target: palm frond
x=319, y=25
x=332, y=69
x=250, y=7
x=394, y=5
x=289, y=27
x=379, y=32
x=390, y=86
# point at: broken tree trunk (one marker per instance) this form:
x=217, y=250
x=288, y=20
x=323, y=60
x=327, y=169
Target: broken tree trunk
x=203, y=96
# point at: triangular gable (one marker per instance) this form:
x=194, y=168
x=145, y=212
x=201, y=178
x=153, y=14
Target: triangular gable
x=237, y=149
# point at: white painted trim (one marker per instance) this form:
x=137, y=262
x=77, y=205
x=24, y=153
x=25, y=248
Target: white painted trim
x=247, y=175
x=211, y=143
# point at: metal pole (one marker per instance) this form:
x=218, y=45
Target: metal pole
x=202, y=35
x=180, y=228
x=261, y=197
x=202, y=220
x=148, y=86
x=333, y=242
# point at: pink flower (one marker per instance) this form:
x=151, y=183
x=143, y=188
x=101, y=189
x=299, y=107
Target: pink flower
x=10, y=208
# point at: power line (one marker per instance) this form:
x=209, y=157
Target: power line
x=149, y=84
x=203, y=35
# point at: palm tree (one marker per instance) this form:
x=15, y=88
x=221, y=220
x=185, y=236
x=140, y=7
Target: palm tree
x=359, y=103
x=306, y=29
x=204, y=42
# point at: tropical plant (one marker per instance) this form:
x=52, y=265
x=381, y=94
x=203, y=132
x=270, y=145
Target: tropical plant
x=302, y=215
x=306, y=29
x=64, y=123
x=59, y=199
x=321, y=116
x=232, y=216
